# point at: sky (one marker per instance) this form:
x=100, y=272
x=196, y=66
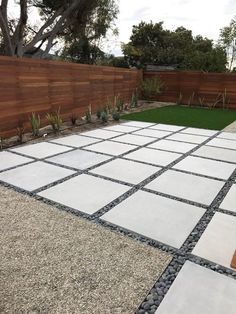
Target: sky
x=203, y=17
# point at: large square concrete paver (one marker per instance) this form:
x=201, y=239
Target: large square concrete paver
x=85, y=193
x=41, y=150
x=187, y=186
x=134, y=139
x=207, y=167
x=122, y=128
x=79, y=159
x=156, y=217
x=153, y=156
x=229, y=202
x=174, y=146
x=138, y=124
x=189, y=138
x=126, y=171
x=227, y=135
x=111, y=148
x=224, y=143
x=75, y=140
x=101, y=134
x=216, y=153
x=152, y=133
x=34, y=176
x=198, y=290
x=196, y=131
x=9, y=160
x=217, y=244
x=167, y=127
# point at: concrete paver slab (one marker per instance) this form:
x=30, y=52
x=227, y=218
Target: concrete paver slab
x=41, y=150
x=167, y=127
x=101, y=134
x=217, y=244
x=229, y=202
x=75, y=140
x=227, y=135
x=134, y=139
x=174, y=146
x=216, y=153
x=85, y=193
x=126, y=171
x=153, y=156
x=34, y=176
x=152, y=133
x=111, y=148
x=203, y=132
x=122, y=128
x=138, y=124
x=9, y=160
x=224, y=143
x=199, y=290
x=207, y=167
x=156, y=217
x=189, y=138
x=187, y=186
x=79, y=159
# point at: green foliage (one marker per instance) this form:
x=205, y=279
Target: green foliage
x=151, y=87
x=99, y=111
x=134, y=99
x=88, y=114
x=104, y=117
x=150, y=43
x=116, y=115
x=35, y=123
x=55, y=120
x=228, y=41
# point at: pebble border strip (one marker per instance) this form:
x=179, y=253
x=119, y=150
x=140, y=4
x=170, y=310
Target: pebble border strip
x=158, y=291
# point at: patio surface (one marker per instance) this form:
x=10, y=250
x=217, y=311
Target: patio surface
x=168, y=186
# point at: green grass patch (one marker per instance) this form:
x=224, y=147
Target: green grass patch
x=204, y=118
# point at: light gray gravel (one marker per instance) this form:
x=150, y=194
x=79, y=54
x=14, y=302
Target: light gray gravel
x=54, y=262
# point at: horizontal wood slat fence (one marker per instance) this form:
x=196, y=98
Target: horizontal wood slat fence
x=41, y=86
x=197, y=87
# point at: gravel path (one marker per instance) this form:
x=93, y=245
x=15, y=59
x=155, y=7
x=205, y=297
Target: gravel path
x=54, y=262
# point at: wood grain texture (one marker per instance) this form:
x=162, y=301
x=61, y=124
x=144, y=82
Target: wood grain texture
x=205, y=87
x=42, y=86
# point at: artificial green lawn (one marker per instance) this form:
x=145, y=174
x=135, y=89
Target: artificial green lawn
x=204, y=118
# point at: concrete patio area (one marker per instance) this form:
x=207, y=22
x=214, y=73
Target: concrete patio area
x=171, y=187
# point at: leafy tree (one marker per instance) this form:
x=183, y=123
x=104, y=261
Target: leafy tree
x=61, y=19
x=228, y=41
x=150, y=43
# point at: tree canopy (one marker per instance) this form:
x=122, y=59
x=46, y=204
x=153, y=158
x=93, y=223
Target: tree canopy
x=72, y=21
x=150, y=43
x=228, y=41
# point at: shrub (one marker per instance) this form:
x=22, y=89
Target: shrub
x=88, y=114
x=104, y=117
x=119, y=105
x=134, y=99
x=35, y=123
x=73, y=119
x=55, y=120
x=115, y=115
x=99, y=111
x=151, y=87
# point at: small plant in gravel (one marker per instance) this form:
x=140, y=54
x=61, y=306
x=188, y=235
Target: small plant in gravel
x=104, y=117
x=73, y=119
x=55, y=120
x=88, y=114
x=134, y=99
x=20, y=133
x=115, y=115
x=99, y=111
x=35, y=123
